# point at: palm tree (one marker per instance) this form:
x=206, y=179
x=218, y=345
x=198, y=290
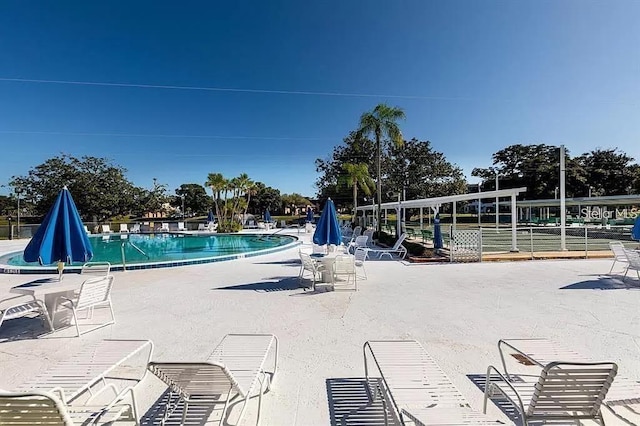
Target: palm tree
x=382, y=122
x=217, y=183
x=357, y=176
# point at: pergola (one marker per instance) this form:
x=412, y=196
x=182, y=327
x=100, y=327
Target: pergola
x=434, y=204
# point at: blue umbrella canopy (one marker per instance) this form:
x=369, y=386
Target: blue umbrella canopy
x=635, y=232
x=328, y=229
x=210, y=217
x=437, y=233
x=309, y=214
x=61, y=236
x=267, y=216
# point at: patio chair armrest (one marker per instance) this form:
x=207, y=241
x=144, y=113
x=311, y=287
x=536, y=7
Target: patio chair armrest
x=13, y=299
x=520, y=405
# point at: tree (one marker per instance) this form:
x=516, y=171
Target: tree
x=357, y=175
x=419, y=171
x=195, y=196
x=356, y=149
x=536, y=167
x=152, y=200
x=608, y=172
x=265, y=197
x=382, y=122
x=99, y=187
x=217, y=183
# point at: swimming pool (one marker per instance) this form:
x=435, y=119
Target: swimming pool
x=142, y=251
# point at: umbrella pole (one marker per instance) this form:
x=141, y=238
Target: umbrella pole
x=60, y=270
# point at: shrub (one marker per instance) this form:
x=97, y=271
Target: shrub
x=229, y=226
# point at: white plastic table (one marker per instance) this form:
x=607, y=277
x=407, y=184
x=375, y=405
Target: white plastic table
x=49, y=289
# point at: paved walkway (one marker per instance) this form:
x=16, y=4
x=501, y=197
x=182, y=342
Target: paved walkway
x=458, y=311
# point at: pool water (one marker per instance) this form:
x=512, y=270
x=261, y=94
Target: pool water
x=170, y=247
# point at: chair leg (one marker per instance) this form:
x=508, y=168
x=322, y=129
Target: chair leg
x=184, y=412
x=614, y=264
x=75, y=320
x=113, y=316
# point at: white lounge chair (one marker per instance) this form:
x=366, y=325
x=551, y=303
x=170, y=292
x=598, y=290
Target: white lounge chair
x=164, y=227
x=23, y=305
x=212, y=226
x=415, y=387
x=397, y=248
x=94, y=292
x=564, y=391
x=235, y=371
x=202, y=227
x=135, y=228
x=181, y=226
x=369, y=234
x=124, y=227
x=42, y=408
x=96, y=268
x=539, y=353
x=106, y=229
x=86, y=230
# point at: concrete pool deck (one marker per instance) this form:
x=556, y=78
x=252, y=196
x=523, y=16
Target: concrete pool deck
x=457, y=311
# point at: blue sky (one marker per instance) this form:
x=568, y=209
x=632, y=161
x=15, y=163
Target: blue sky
x=472, y=76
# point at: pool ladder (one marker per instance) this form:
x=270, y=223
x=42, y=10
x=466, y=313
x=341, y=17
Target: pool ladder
x=124, y=261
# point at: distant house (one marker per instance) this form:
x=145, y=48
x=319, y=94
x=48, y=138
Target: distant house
x=166, y=211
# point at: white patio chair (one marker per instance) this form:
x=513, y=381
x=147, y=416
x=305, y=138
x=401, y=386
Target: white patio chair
x=564, y=391
x=310, y=265
x=633, y=262
x=212, y=226
x=181, y=226
x=106, y=229
x=360, y=256
x=164, y=227
x=96, y=268
x=202, y=227
x=23, y=305
x=234, y=372
x=283, y=223
x=353, y=235
x=344, y=265
x=42, y=408
x=135, y=228
x=86, y=230
x=397, y=248
x=360, y=241
x=619, y=254
x=93, y=293
x=369, y=234
x=124, y=227
x=414, y=387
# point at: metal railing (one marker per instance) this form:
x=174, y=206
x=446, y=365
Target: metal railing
x=536, y=239
x=124, y=259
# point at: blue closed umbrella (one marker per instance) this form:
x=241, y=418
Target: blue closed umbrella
x=635, y=232
x=328, y=229
x=61, y=236
x=210, y=217
x=437, y=233
x=267, y=216
x=309, y=214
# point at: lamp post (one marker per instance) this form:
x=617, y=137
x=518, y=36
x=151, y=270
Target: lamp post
x=182, y=196
x=479, y=205
x=498, y=205
x=18, y=191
